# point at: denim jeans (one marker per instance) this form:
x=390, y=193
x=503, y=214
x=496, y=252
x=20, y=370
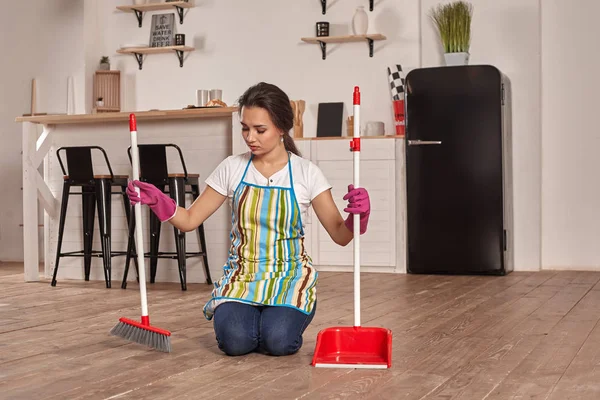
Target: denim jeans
x=243, y=328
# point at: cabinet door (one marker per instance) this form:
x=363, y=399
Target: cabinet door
x=378, y=175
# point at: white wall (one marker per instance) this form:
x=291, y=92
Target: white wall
x=48, y=33
x=571, y=140
x=506, y=34
x=267, y=47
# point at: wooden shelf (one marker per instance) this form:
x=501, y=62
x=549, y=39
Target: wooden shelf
x=139, y=52
x=140, y=9
x=216, y=112
x=323, y=40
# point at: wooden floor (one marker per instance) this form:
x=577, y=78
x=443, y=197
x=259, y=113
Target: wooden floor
x=522, y=336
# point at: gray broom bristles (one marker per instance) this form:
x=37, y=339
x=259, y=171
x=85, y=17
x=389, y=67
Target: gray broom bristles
x=142, y=336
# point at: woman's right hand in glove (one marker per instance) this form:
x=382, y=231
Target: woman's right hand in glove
x=162, y=205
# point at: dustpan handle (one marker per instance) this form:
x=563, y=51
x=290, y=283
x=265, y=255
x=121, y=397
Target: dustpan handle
x=355, y=148
x=135, y=162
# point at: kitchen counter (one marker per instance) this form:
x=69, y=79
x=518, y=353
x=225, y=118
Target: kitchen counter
x=204, y=136
x=152, y=115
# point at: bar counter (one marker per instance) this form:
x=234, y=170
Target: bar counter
x=203, y=134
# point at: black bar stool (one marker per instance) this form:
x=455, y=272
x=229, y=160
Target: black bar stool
x=96, y=191
x=154, y=170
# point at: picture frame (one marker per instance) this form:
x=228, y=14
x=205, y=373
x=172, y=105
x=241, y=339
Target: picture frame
x=162, y=30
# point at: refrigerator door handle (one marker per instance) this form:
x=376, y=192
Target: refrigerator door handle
x=423, y=142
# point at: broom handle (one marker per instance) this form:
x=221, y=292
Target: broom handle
x=356, y=155
x=138, y=217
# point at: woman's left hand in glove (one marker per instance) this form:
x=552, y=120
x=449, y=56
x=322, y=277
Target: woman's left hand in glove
x=358, y=203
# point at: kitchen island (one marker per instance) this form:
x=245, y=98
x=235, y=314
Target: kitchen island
x=203, y=134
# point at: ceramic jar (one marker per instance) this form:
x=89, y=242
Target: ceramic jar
x=360, y=21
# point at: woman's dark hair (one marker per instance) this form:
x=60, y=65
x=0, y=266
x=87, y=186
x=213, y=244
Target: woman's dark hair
x=277, y=104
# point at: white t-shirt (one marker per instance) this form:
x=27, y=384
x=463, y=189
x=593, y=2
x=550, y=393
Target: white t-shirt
x=309, y=180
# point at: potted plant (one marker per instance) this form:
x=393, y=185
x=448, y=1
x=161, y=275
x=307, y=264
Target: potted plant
x=453, y=22
x=104, y=63
x=100, y=102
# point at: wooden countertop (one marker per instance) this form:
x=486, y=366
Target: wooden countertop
x=124, y=116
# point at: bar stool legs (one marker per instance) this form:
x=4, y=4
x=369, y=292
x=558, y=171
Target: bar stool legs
x=88, y=205
x=177, y=192
x=96, y=195
x=104, y=212
x=61, y=228
x=202, y=239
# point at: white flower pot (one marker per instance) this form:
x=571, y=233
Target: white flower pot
x=360, y=21
x=456, y=58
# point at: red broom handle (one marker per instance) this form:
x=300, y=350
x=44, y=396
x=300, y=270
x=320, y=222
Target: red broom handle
x=355, y=147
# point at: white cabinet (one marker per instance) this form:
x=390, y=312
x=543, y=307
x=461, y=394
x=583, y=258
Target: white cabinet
x=378, y=175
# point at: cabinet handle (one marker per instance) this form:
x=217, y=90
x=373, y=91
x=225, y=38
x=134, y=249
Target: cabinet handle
x=423, y=142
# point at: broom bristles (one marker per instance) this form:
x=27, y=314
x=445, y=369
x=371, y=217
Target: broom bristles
x=146, y=335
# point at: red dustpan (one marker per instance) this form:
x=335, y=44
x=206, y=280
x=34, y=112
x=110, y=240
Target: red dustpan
x=354, y=346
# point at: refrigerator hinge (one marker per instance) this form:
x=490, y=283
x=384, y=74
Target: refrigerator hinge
x=504, y=240
x=503, y=94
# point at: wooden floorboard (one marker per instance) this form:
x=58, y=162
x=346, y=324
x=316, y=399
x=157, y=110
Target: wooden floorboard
x=527, y=335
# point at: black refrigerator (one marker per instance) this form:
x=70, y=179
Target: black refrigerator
x=458, y=171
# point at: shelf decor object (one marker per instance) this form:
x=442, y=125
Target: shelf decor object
x=453, y=23
x=369, y=38
x=107, y=87
x=140, y=9
x=360, y=21
x=139, y=52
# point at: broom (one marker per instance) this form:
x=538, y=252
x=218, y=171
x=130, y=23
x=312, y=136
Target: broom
x=141, y=332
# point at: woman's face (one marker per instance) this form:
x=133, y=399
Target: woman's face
x=258, y=131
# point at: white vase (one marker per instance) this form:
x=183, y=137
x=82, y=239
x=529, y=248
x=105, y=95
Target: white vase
x=139, y=2
x=360, y=21
x=456, y=58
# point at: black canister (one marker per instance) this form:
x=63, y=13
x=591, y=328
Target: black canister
x=322, y=28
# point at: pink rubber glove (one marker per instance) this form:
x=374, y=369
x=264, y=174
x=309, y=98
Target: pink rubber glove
x=358, y=203
x=162, y=205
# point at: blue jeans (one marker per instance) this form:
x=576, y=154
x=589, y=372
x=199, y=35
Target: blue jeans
x=242, y=328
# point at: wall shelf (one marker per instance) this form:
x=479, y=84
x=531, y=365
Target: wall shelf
x=139, y=52
x=140, y=9
x=324, y=6
x=323, y=40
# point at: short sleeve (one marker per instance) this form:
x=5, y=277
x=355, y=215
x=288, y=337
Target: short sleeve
x=219, y=178
x=318, y=183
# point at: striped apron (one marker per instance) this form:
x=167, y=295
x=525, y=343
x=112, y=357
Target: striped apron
x=268, y=263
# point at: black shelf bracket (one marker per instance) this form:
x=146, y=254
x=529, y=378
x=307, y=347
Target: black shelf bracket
x=324, y=6
x=323, y=49
x=180, y=56
x=139, y=15
x=323, y=45
x=139, y=58
x=180, y=12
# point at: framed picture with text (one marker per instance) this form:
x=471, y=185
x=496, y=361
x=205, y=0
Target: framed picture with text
x=162, y=30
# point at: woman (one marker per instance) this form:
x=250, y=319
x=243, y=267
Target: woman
x=267, y=295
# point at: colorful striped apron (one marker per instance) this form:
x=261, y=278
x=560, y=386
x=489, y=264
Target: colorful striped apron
x=268, y=263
